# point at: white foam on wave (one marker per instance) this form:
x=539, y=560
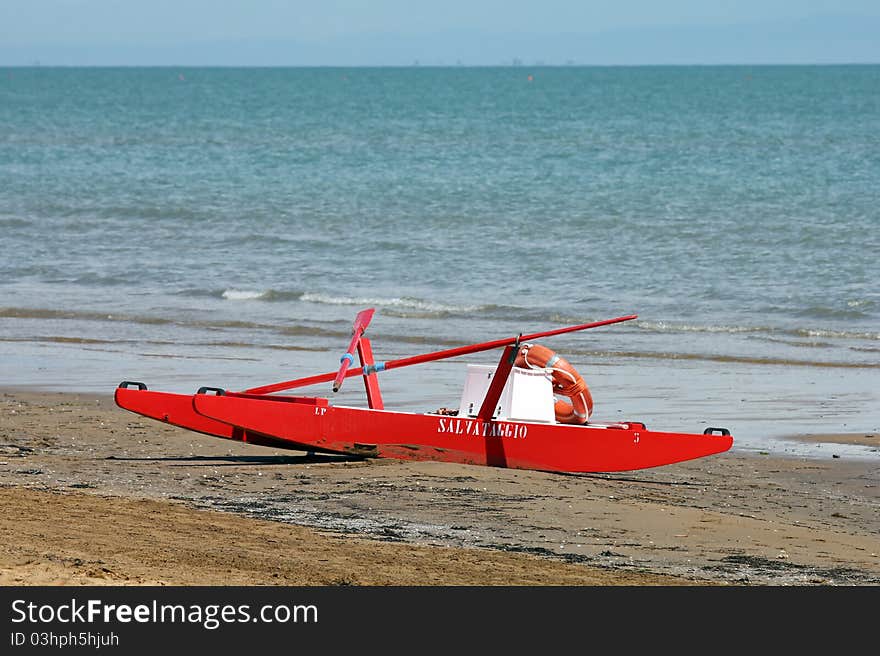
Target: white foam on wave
x=664, y=326
x=845, y=334
x=403, y=303
x=244, y=294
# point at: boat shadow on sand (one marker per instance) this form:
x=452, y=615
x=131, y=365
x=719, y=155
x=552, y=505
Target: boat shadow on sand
x=229, y=461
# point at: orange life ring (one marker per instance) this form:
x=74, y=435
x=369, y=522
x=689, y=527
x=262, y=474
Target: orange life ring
x=566, y=381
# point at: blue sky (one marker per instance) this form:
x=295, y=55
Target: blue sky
x=396, y=32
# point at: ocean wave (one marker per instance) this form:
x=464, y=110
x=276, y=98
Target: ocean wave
x=672, y=327
x=397, y=305
x=92, y=278
x=244, y=294
x=44, y=313
x=712, y=357
x=855, y=310
x=61, y=339
x=13, y=222
x=198, y=324
x=840, y=334
x=797, y=343
x=210, y=324
x=313, y=331
x=251, y=345
x=89, y=341
x=200, y=292
x=232, y=294
x=240, y=294
x=259, y=295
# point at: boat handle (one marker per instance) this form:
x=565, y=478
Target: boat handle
x=218, y=391
x=125, y=384
x=711, y=431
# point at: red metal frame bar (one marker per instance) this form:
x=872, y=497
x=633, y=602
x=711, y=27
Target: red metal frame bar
x=371, y=380
x=499, y=378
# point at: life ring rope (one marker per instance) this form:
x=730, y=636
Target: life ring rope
x=566, y=382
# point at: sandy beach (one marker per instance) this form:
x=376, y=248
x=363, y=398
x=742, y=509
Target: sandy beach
x=92, y=494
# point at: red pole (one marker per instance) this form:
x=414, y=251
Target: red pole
x=430, y=357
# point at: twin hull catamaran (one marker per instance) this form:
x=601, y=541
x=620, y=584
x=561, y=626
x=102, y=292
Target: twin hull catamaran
x=510, y=415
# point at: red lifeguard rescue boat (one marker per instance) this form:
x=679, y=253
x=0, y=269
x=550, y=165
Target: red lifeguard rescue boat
x=508, y=415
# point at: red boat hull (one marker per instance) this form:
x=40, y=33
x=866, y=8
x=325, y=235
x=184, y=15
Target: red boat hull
x=365, y=432
x=310, y=423
x=178, y=410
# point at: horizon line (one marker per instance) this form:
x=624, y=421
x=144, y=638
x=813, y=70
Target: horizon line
x=455, y=66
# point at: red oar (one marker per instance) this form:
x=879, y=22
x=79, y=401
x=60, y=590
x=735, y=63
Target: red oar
x=361, y=321
x=427, y=357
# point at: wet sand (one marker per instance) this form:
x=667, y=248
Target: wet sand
x=93, y=494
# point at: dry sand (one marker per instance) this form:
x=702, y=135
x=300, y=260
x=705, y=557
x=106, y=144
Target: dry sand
x=92, y=494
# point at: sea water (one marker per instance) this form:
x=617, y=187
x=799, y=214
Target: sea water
x=222, y=226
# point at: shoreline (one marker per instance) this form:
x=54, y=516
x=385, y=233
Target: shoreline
x=864, y=438
x=852, y=439
x=734, y=518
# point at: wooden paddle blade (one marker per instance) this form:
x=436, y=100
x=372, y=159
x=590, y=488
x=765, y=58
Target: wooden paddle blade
x=361, y=321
